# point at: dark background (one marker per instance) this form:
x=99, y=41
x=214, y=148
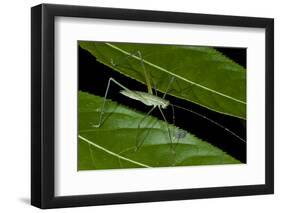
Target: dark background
x=93, y=77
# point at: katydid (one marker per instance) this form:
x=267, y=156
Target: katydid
x=152, y=99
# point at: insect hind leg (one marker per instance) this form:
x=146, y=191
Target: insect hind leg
x=139, y=141
x=168, y=129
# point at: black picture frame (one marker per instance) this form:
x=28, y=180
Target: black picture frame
x=43, y=102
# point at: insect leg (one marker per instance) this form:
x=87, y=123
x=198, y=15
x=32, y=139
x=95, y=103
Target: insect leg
x=146, y=74
x=155, y=89
x=139, y=143
x=169, y=132
x=137, y=56
x=105, y=98
x=168, y=87
x=174, y=122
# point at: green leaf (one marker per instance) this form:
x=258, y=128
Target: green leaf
x=112, y=145
x=202, y=75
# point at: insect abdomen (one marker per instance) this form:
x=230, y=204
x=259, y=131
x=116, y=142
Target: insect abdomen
x=146, y=98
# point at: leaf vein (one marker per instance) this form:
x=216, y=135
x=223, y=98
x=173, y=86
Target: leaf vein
x=112, y=153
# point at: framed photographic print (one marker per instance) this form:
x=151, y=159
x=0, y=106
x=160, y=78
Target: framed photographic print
x=139, y=106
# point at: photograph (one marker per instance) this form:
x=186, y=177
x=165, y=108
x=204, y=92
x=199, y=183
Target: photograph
x=143, y=105
x=135, y=105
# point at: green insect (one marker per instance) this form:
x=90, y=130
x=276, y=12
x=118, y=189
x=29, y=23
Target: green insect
x=151, y=98
x=147, y=98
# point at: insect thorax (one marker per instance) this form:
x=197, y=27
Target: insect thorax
x=146, y=98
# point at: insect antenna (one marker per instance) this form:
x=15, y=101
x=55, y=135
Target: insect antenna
x=210, y=120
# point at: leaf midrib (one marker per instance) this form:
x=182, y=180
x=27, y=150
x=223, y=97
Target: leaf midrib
x=113, y=153
x=173, y=74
